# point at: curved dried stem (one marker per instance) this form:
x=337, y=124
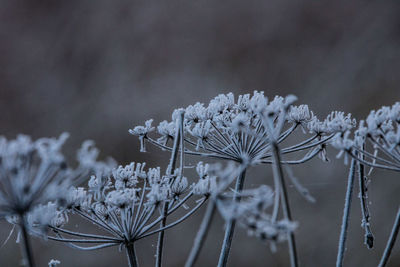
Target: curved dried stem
x=391, y=241
x=230, y=225
x=201, y=234
x=346, y=214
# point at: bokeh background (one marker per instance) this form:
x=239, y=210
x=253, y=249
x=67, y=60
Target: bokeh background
x=97, y=68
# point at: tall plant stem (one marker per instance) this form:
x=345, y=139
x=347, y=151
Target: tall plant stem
x=278, y=172
x=201, y=234
x=170, y=170
x=131, y=254
x=346, y=213
x=230, y=225
x=391, y=241
x=27, y=247
x=369, y=237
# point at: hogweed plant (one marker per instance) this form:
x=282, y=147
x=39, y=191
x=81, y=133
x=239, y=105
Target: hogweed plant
x=39, y=192
x=249, y=131
x=126, y=205
x=34, y=173
x=375, y=144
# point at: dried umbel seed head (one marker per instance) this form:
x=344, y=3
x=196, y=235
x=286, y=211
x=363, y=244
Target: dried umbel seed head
x=35, y=172
x=43, y=216
x=242, y=130
x=142, y=132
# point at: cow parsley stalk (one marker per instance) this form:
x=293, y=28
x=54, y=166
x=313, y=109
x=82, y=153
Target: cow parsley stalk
x=236, y=131
x=375, y=144
x=32, y=173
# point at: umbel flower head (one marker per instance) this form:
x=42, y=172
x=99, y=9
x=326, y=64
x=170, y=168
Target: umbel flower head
x=376, y=142
x=125, y=203
x=33, y=173
x=237, y=130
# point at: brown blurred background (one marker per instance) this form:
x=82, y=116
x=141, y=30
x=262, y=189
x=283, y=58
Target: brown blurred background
x=97, y=68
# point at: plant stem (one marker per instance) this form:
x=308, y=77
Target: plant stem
x=346, y=213
x=201, y=234
x=27, y=246
x=369, y=237
x=230, y=225
x=278, y=172
x=170, y=170
x=131, y=254
x=391, y=241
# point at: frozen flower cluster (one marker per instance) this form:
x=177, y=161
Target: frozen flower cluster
x=237, y=129
x=250, y=130
x=34, y=173
x=376, y=142
x=40, y=192
x=126, y=203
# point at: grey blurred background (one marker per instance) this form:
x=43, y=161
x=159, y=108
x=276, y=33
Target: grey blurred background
x=97, y=68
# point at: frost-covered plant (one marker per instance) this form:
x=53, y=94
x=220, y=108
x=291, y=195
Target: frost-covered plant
x=130, y=203
x=33, y=173
x=247, y=131
x=39, y=192
x=54, y=263
x=234, y=130
x=375, y=144
x=251, y=214
x=126, y=205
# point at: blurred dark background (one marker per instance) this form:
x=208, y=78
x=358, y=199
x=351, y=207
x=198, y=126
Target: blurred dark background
x=97, y=68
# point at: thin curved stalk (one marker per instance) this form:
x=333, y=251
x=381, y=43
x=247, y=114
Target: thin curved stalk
x=373, y=165
x=201, y=234
x=170, y=211
x=27, y=245
x=230, y=225
x=284, y=135
x=391, y=241
x=93, y=247
x=135, y=222
x=83, y=241
x=306, y=158
x=373, y=157
x=56, y=229
x=384, y=149
x=187, y=215
x=101, y=223
x=209, y=155
x=346, y=213
x=170, y=170
x=278, y=172
x=131, y=254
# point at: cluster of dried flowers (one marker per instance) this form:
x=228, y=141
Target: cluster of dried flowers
x=375, y=144
x=39, y=191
